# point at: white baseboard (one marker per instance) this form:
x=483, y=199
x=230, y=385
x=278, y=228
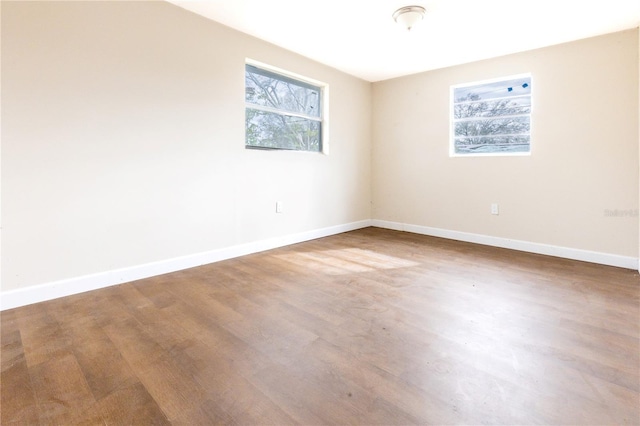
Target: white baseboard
x=546, y=249
x=53, y=290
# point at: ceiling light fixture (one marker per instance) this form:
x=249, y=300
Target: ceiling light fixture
x=409, y=16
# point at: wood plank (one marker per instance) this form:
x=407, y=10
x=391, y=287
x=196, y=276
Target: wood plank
x=62, y=393
x=42, y=337
x=102, y=364
x=18, y=403
x=130, y=405
x=369, y=327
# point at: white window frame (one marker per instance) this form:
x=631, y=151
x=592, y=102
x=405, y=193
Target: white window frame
x=324, y=106
x=452, y=120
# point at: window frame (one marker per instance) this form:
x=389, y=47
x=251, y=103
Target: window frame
x=452, y=120
x=297, y=79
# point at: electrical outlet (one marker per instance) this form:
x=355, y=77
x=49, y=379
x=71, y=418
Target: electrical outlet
x=278, y=206
x=495, y=209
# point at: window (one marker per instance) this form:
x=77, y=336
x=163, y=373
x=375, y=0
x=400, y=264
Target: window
x=282, y=112
x=492, y=117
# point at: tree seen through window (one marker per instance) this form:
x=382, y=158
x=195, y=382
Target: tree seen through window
x=281, y=112
x=493, y=117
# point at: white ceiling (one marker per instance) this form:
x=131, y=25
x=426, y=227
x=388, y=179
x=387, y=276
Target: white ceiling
x=360, y=37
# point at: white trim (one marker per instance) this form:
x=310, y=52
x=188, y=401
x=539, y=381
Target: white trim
x=286, y=73
x=53, y=290
x=627, y=262
x=264, y=108
x=492, y=80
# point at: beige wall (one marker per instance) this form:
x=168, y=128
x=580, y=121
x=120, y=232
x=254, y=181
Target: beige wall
x=123, y=142
x=584, y=157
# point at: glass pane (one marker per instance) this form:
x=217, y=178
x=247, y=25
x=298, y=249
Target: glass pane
x=493, y=117
x=499, y=89
x=493, y=108
x=273, y=130
x=492, y=144
x=269, y=89
x=493, y=126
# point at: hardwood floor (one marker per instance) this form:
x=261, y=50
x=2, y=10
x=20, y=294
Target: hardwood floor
x=367, y=327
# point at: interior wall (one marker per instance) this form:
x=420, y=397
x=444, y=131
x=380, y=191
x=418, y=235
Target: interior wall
x=123, y=142
x=579, y=187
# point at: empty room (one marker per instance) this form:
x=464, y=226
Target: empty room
x=320, y=213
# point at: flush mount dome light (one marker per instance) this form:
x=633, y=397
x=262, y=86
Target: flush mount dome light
x=409, y=16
